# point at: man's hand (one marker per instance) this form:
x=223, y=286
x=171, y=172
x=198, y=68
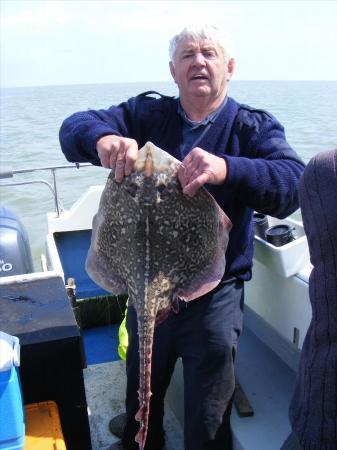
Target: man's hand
x=117, y=153
x=200, y=167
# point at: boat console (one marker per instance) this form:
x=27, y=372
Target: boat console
x=36, y=310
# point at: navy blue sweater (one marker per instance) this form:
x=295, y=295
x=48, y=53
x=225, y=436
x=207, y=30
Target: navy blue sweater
x=313, y=409
x=263, y=170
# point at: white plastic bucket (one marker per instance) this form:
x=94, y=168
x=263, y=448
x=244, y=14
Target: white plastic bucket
x=12, y=424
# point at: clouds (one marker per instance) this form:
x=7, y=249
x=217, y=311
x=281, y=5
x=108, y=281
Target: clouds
x=77, y=41
x=36, y=15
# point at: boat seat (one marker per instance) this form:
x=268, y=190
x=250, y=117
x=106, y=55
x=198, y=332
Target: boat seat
x=72, y=247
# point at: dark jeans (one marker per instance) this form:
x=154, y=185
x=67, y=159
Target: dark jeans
x=204, y=333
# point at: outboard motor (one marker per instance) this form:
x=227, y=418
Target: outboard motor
x=15, y=252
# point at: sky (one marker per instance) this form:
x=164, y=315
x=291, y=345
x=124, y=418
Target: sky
x=57, y=42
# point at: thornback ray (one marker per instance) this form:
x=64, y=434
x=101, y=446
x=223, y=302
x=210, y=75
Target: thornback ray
x=159, y=245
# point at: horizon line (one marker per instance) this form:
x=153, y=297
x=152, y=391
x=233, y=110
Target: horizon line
x=162, y=81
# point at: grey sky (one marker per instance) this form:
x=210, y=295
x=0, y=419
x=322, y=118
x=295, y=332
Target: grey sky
x=75, y=41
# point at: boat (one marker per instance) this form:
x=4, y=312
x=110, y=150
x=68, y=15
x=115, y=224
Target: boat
x=68, y=329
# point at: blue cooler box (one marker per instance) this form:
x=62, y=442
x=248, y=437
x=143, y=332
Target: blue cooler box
x=12, y=424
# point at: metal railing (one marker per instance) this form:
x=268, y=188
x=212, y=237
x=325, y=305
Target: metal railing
x=8, y=172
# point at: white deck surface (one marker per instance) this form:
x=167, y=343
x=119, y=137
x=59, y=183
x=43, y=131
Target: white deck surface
x=105, y=391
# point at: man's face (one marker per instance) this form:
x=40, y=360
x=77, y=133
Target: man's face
x=199, y=69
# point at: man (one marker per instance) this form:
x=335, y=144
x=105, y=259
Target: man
x=243, y=158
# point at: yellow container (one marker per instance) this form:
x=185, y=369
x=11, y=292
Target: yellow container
x=43, y=427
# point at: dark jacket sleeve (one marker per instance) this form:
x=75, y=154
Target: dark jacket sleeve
x=265, y=176
x=80, y=132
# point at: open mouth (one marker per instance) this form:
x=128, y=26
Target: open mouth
x=198, y=77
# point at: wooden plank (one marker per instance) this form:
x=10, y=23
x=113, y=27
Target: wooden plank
x=241, y=402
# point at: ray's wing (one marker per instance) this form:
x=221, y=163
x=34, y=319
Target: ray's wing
x=104, y=255
x=207, y=275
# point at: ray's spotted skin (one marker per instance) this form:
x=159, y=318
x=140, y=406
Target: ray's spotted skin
x=159, y=245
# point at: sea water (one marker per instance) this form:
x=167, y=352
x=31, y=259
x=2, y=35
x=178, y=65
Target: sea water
x=31, y=118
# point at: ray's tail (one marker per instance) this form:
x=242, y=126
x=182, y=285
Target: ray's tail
x=144, y=393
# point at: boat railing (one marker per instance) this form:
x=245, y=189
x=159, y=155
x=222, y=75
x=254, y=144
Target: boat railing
x=9, y=172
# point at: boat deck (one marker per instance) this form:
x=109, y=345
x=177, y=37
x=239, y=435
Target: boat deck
x=268, y=383
x=105, y=385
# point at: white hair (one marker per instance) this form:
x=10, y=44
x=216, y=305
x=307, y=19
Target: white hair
x=209, y=32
